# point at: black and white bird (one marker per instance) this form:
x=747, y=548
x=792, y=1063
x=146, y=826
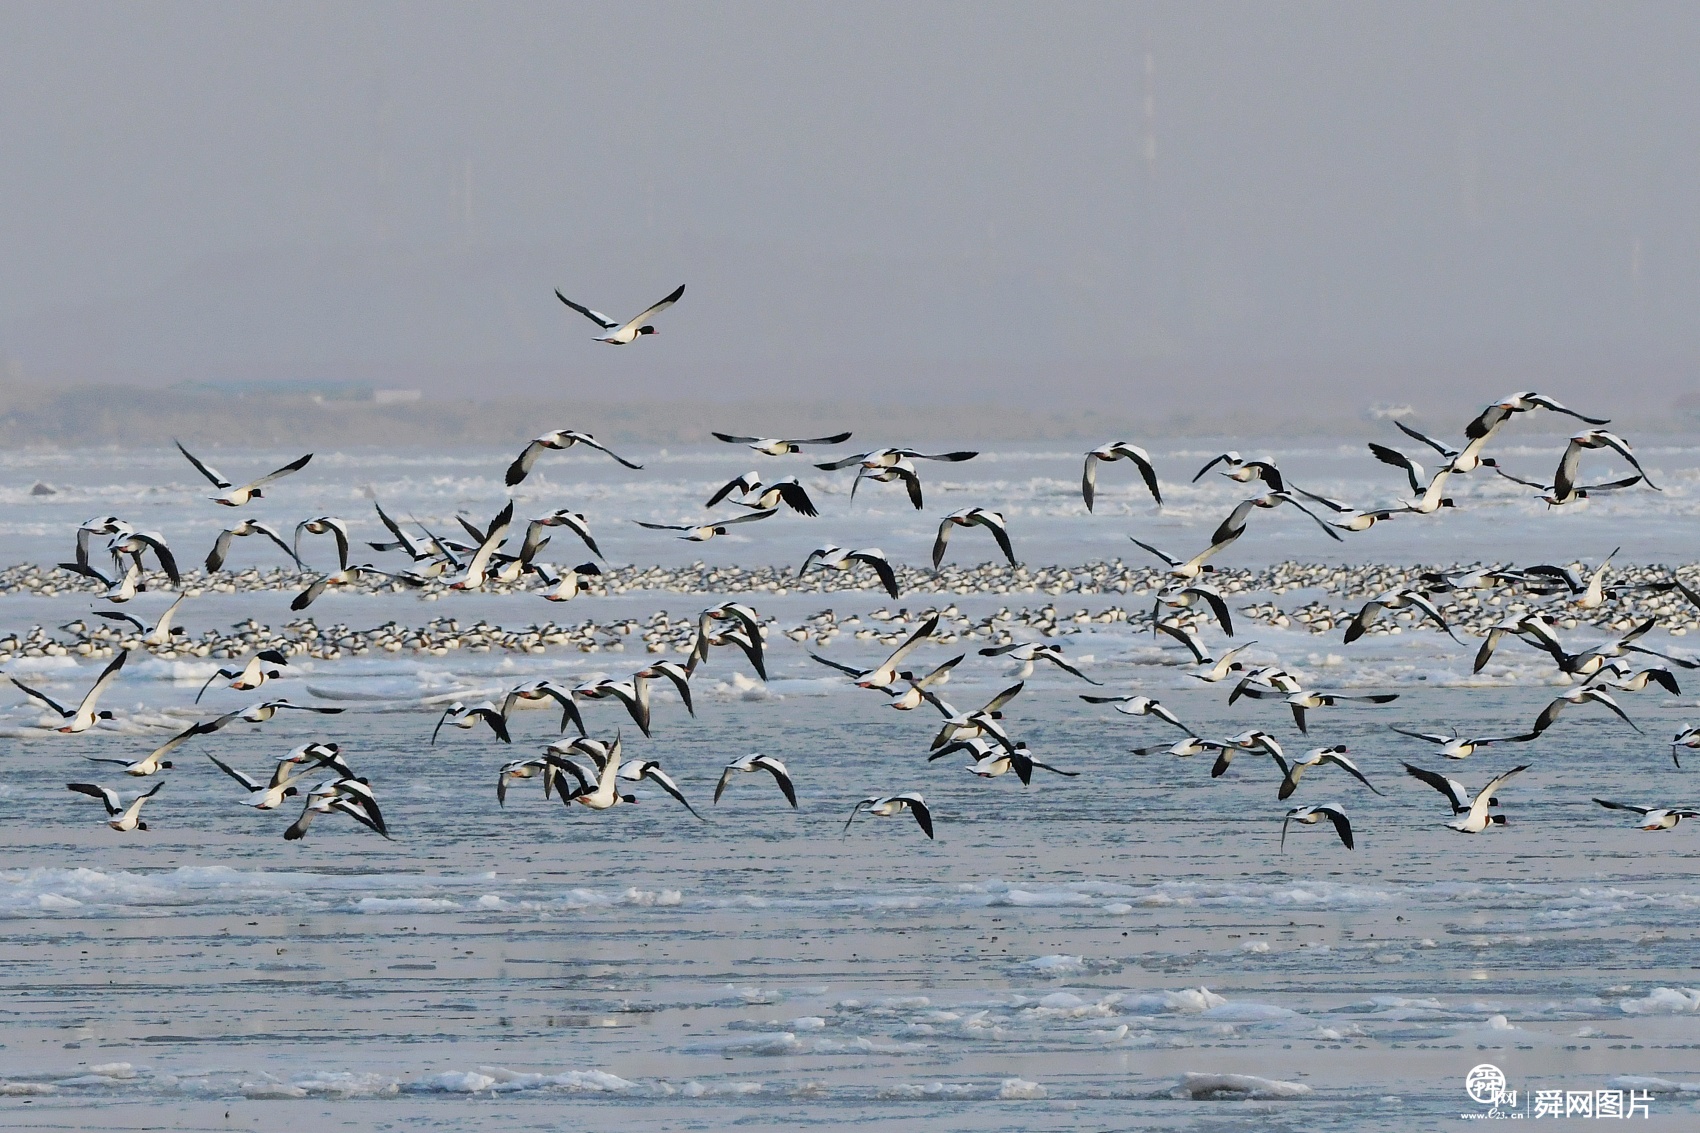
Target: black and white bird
x=920, y=687
x=1584, y=694
x=465, y=716
x=1311, y=815
x=884, y=675
x=121, y=816
x=1118, y=450
x=1652, y=818
x=755, y=761
x=490, y=539
x=1466, y=459
x=86, y=714
x=834, y=557
x=1399, y=598
x=1137, y=705
x=968, y=517
x=1302, y=700
x=1316, y=757
x=1474, y=813
x=1459, y=746
x=119, y=587
x=1244, y=471
x=325, y=525
x=1252, y=739
x=767, y=497
x=1688, y=738
x=992, y=760
x=269, y=795
x=1564, y=488
x=555, y=441
x=703, y=532
x=568, y=584
x=884, y=806
x=888, y=457
x=972, y=725
x=221, y=546
x=573, y=521
x=1025, y=653
x=349, y=577
x=134, y=544
x=774, y=446
x=348, y=795
x=620, y=334
x=903, y=471
x=1501, y=411
x=1184, y=748
x=159, y=635
x=1191, y=596
x=639, y=770
x=232, y=494
x=267, y=664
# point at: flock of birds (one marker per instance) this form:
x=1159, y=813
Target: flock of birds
x=595, y=773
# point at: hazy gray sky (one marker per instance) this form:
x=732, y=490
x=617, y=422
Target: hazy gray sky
x=975, y=193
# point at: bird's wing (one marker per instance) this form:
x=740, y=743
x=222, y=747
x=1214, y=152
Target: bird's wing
x=522, y=465
x=661, y=779
x=1520, y=480
x=94, y=790
x=1161, y=555
x=1609, y=805
x=1227, y=457
x=117, y=616
x=592, y=442
x=1342, y=824
x=915, y=639
x=994, y=523
x=767, y=513
x=596, y=317
x=835, y=665
x=918, y=807
x=650, y=313
x=1425, y=439
x=1484, y=797
x=107, y=676
x=745, y=483
x=1431, y=737
x=1438, y=781
x=1089, y=480
x=667, y=526
x=882, y=567
x=293, y=466
x=218, y=480
x=1186, y=637
x=167, y=561
x=251, y=784
x=1545, y=402
x=835, y=439
x=1413, y=471
x=782, y=776
x=797, y=499
x=1350, y=768
x=942, y=540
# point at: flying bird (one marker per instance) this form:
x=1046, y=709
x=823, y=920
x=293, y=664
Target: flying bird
x=968, y=517
x=772, y=446
x=755, y=761
x=1311, y=815
x=85, y=715
x=122, y=817
x=1118, y=450
x=232, y=495
x=884, y=806
x=619, y=334
x=556, y=440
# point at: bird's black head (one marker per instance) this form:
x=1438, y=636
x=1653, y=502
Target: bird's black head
x=587, y=568
x=646, y=330
x=720, y=531
x=165, y=764
x=290, y=792
x=141, y=826
x=104, y=715
x=1447, y=502
x=793, y=448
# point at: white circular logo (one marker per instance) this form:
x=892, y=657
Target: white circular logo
x=1485, y=1084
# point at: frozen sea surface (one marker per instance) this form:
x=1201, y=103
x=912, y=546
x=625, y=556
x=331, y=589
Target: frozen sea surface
x=1129, y=948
